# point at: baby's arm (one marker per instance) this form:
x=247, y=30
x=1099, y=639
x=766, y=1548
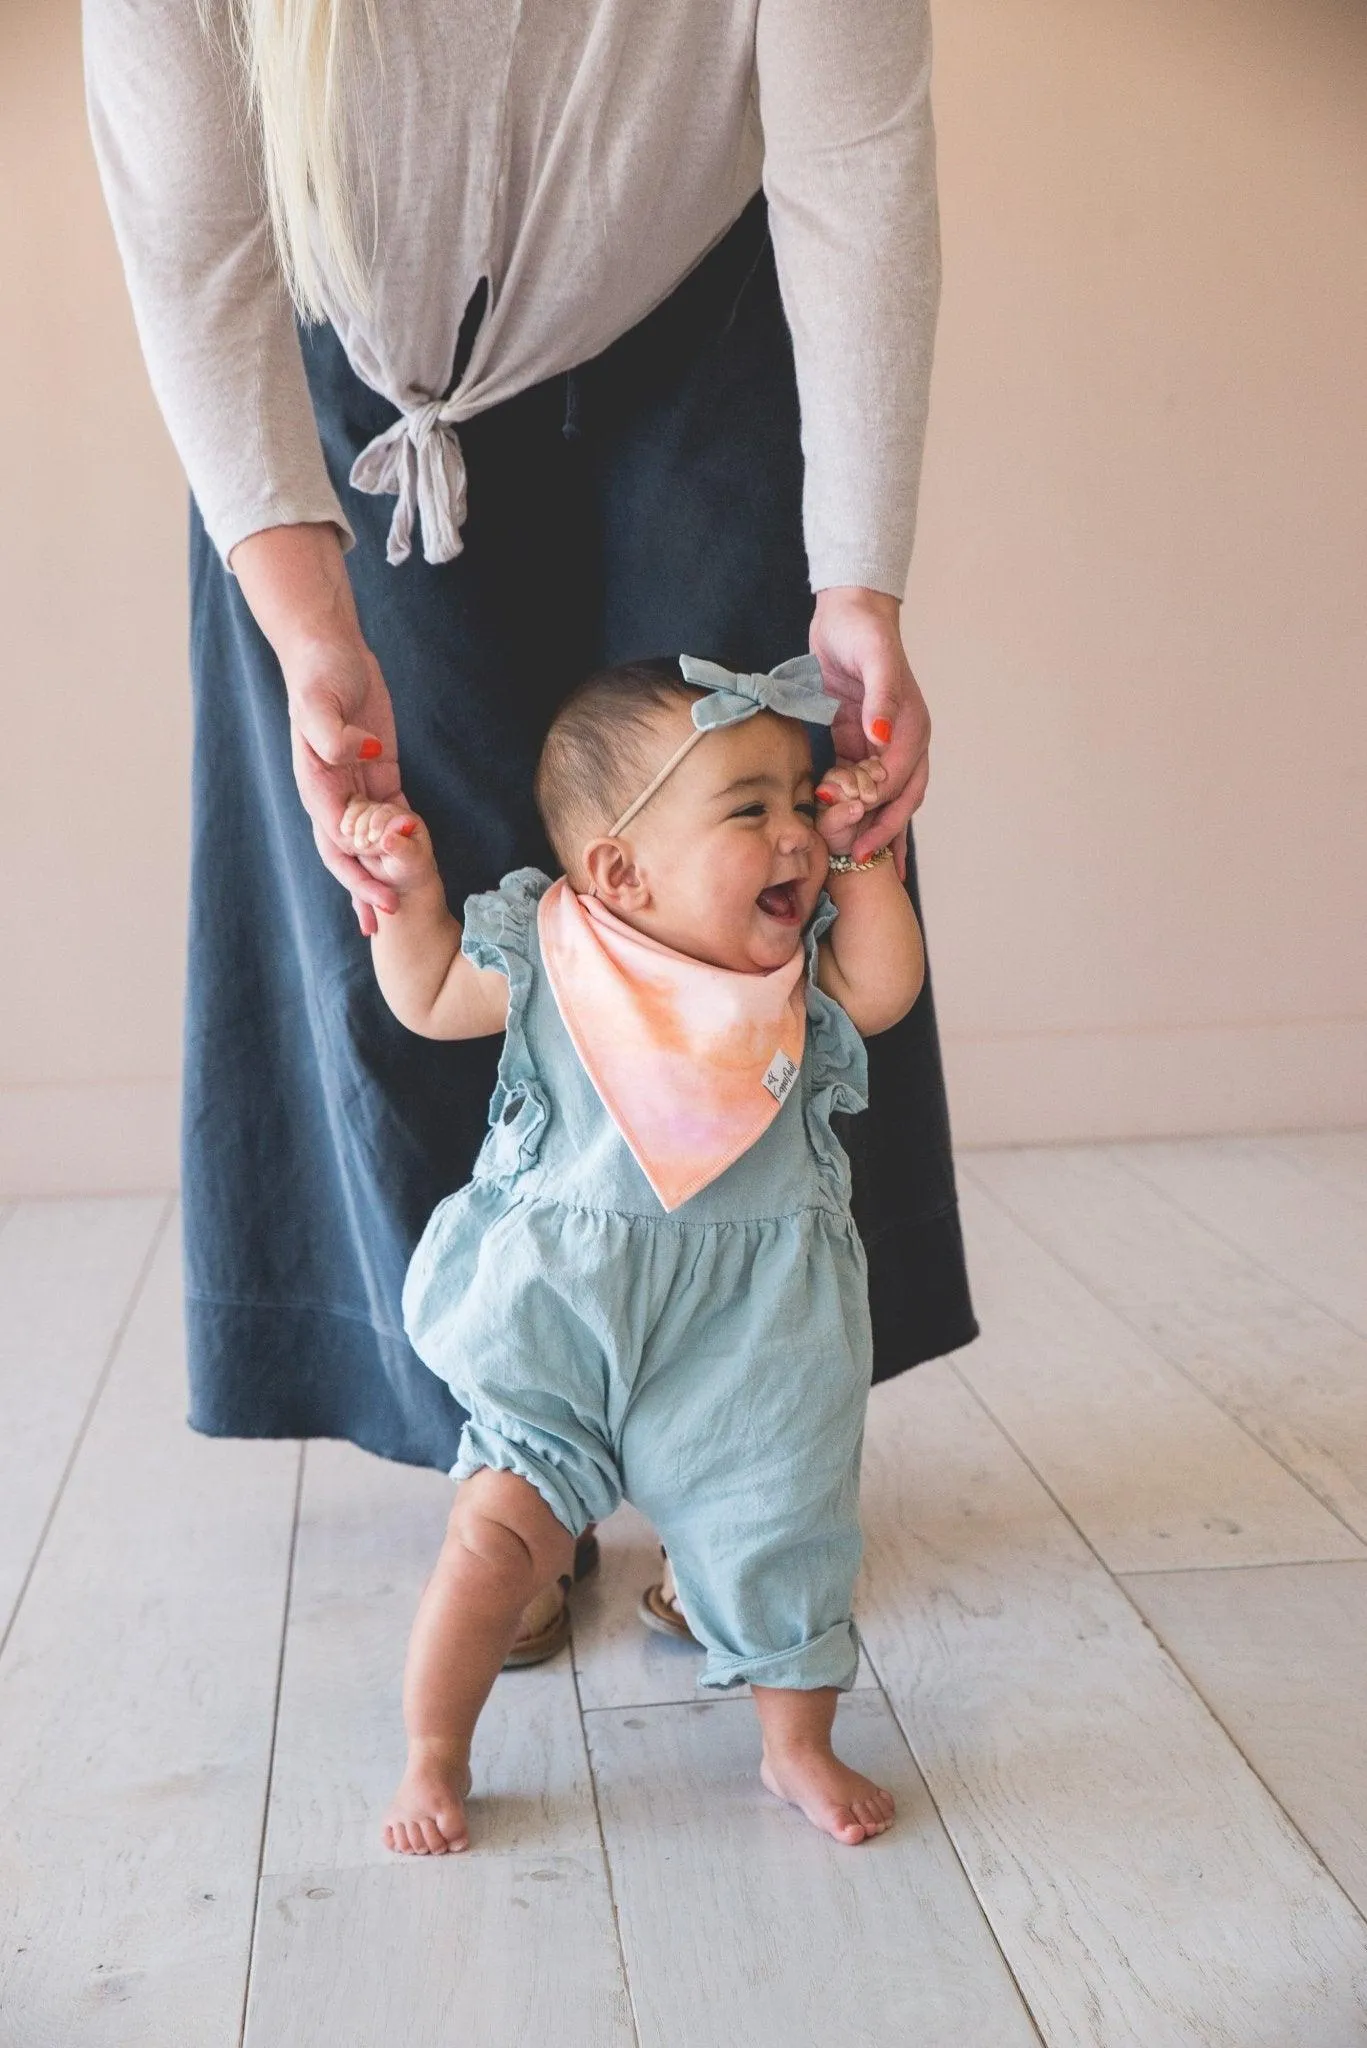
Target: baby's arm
x=871, y=962
x=424, y=977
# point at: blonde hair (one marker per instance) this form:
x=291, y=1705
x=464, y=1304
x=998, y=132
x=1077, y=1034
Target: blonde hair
x=300, y=58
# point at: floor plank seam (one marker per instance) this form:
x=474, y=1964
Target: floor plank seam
x=1279, y=1564
x=275, y=1731
x=1235, y=1244
x=891, y=1705
x=1154, y=1344
x=1031, y=1468
x=1117, y=1580
x=1311, y=1851
x=83, y=1429
x=603, y=1841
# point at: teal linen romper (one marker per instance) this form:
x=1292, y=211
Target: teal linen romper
x=711, y=1365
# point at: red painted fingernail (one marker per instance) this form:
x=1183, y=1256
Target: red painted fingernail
x=371, y=750
x=881, y=730
x=824, y=796
x=407, y=831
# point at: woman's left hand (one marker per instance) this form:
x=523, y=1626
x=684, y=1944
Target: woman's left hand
x=857, y=638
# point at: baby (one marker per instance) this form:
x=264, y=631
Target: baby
x=653, y=1288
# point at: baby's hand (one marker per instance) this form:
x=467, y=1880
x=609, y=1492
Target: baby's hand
x=390, y=842
x=846, y=794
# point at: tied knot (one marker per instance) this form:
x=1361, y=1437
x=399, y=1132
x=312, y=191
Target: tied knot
x=419, y=458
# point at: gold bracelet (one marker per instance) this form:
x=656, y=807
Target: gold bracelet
x=846, y=864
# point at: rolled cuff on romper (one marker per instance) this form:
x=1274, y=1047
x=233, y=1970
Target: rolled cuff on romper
x=829, y=1659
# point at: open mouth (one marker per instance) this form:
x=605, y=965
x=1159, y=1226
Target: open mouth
x=780, y=901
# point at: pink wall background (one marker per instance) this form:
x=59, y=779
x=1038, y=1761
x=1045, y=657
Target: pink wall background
x=1138, y=607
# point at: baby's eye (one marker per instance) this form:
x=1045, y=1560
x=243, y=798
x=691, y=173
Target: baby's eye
x=750, y=811
x=807, y=810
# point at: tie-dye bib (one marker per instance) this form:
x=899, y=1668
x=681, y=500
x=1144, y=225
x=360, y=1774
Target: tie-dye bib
x=692, y=1062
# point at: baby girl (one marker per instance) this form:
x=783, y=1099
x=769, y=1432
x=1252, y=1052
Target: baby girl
x=652, y=1289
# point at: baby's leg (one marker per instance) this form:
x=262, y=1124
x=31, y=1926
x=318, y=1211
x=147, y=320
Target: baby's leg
x=800, y=1766
x=503, y=1545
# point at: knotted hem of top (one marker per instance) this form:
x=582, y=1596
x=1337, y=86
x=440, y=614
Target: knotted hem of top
x=420, y=459
x=828, y=1659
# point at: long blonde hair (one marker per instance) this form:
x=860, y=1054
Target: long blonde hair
x=300, y=58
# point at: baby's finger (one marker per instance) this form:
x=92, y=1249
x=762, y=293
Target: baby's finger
x=352, y=819
x=378, y=824
x=841, y=818
x=402, y=834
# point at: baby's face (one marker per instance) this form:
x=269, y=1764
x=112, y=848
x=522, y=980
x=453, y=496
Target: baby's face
x=725, y=861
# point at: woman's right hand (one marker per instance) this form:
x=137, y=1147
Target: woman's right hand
x=343, y=745
x=341, y=721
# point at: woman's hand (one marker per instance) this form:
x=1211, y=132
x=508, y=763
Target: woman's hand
x=341, y=722
x=343, y=745
x=857, y=637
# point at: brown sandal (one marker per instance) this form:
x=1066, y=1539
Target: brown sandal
x=661, y=1612
x=550, y=1611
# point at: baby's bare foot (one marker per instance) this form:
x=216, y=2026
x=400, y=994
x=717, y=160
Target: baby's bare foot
x=839, y=1801
x=426, y=1816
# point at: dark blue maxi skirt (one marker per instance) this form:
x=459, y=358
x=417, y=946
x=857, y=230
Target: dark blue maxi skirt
x=647, y=503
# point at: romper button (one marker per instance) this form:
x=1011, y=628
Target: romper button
x=511, y=1108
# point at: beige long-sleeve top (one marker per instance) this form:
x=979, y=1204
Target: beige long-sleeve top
x=582, y=155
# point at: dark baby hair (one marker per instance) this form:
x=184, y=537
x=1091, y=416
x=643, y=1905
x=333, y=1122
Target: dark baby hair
x=602, y=750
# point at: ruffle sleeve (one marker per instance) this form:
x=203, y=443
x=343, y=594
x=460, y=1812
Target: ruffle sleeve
x=499, y=931
x=497, y=924
x=836, y=1064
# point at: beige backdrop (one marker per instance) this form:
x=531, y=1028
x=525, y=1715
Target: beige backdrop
x=1139, y=605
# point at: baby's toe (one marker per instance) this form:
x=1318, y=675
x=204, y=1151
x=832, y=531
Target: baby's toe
x=455, y=1833
x=434, y=1836
x=846, y=1825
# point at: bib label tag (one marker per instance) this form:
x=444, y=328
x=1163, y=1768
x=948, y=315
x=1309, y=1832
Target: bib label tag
x=779, y=1076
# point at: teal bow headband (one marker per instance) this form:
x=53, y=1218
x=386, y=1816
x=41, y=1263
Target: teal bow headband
x=794, y=690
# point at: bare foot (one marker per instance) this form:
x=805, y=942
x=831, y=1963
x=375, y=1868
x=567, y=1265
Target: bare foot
x=839, y=1801
x=426, y=1816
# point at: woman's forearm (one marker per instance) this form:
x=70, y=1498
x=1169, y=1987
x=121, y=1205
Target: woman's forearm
x=182, y=176
x=295, y=582
x=849, y=167
x=341, y=720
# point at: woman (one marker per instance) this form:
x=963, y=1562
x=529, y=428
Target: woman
x=554, y=402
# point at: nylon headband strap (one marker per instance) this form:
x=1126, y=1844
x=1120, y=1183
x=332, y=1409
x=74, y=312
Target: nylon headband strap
x=648, y=792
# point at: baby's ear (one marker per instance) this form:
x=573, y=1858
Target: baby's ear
x=612, y=875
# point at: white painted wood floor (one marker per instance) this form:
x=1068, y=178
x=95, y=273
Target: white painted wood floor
x=1116, y=1667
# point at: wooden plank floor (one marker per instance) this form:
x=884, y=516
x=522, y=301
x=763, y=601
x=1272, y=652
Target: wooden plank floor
x=1114, y=1614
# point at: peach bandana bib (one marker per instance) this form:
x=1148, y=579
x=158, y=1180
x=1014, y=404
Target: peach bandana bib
x=692, y=1062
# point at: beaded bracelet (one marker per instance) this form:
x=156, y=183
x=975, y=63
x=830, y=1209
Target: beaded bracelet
x=846, y=864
